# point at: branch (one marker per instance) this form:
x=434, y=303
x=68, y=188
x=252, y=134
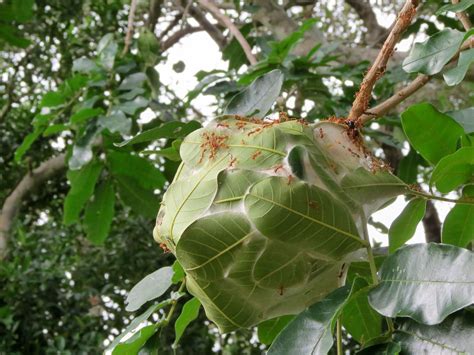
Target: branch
x=361, y=102
x=128, y=36
x=432, y=224
x=375, y=32
x=407, y=91
x=212, y=30
x=466, y=22
x=153, y=14
x=27, y=185
x=227, y=22
x=178, y=35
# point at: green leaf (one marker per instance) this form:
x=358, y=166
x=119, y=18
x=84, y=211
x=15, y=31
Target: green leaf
x=84, y=65
x=179, y=66
x=137, y=168
x=426, y=282
x=132, y=81
x=133, y=344
x=464, y=118
x=459, y=7
x=430, y=56
x=142, y=201
x=107, y=50
x=55, y=128
x=257, y=99
x=178, y=272
x=408, y=167
x=82, y=149
x=432, y=133
x=455, y=75
x=381, y=349
x=170, y=153
x=27, y=142
x=149, y=47
x=85, y=114
x=167, y=130
x=311, y=331
x=188, y=314
x=99, y=213
x=233, y=51
x=404, y=226
x=453, y=336
x=116, y=122
x=52, y=99
x=454, y=170
x=458, y=226
x=150, y=287
x=82, y=186
x=269, y=329
x=130, y=107
x=358, y=318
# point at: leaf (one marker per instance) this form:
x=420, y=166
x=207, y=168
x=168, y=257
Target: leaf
x=52, y=99
x=133, y=344
x=107, y=50
x=390, y=348
x=99, y=213
x=408, y=167
x=464, y=118
x=85, y=114
x=269, y=329
x=178, y=272
x=404, y=226
x=150, y=287
x=167, y=130
x=233, y=51
x=455, y=75
x=453, y=336
x=27, y=142
x=149, y=47
x=84, y=65
x=116, y=122
x=257, y=99
x=358, y=318
x=137, y=168
x=458, y=226
x=82, y=149
x=453, y=170
x=132, y=81
x=459, y=7
x=188, y=314
x=432, y=133
x=179, y=66
x=430, y=56
x=311, y=331
x=142, y=201
x=426, y=282
x=55, y=128
x=82, y=186
x=130, y=107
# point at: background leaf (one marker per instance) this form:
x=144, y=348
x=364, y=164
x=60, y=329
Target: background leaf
x=268, y=330
x=454, y=170
x=455, y=75
x=189, y=313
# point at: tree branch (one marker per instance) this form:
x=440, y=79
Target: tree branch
x=129, y=35
x=361, y=102
x=375, y=32
x=153, y=14
x=227, y=22
x=466, y=22
x=27, y=185
x=178, y=35
x=432, y=224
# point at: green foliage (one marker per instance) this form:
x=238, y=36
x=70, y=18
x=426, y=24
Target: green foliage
x=188, y=314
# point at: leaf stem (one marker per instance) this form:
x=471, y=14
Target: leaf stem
x=173, y=305
x=339, y=337
x=463, y=201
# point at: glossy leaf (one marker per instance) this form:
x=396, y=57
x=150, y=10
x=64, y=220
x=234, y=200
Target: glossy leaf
x=132, y=81
x=258, y=98
x=269, y=329
x=404, y=226
x=432, y=133
x=311, y=331
x=430, y=56
x=455, y=75
x=142, y=201
x=188, y=314
x=460, y=6
x=82, y=186
x=99, y=213
x=453, y=336
x=426, y=282
x=454, y=170
x=150, y=287
x=133, y=344
x=458, y=226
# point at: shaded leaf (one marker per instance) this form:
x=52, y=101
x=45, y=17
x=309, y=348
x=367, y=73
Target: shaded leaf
x=55, y=128
x=178, y=272
x=269, y=329
x=150, y=287
x=106, y=50
x=461, y=6
x=142, y=201
x=455, y=75
x=116, y=122
x=132, y=81
x=84, y=65
x=408, y=167
x=464, y=118
x=27, y=142
x=458, y=226
x=381, y=349
x=425, y=282
x=85, y=114
x=453, y=170
x=130, y=107
x=432, y=133
x=258, y=98
x=133, y=344
x=188, y=314
x=404, y=226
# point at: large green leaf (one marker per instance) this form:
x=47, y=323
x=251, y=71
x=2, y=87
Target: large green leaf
x=259, y=97
x=188, y=314
x=430, y=56
x=150, y=287
x=454, y=170
x=142, y=201
x=458, y=226
x=432, y=133
x=464, y=118
x=453, y=336
x=408, y=167
x=426, y=282
x=107, y=50
x=132, y=81
x=85, y=114
x=269, y=329
x=116, y=122
x=99, y=213
x=358, y=318
x=133, y=344
x=311, y=331
x=302, y=214
x=455, y=75
x=461, y=6
x=404, y=226
x=82, y=186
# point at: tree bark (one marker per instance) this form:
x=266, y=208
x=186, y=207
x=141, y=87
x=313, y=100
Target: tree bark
x=432, y=224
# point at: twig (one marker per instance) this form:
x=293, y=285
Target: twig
x=174, y=22
x=214, y=32
x=407, y=91
x=361, y=102
x=466, y=22
x=209, y=5
x=176, y=37
x=128, y=36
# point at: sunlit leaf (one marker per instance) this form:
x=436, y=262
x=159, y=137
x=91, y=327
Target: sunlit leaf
x=454, y=170
x=188, y=314
x=455, y=75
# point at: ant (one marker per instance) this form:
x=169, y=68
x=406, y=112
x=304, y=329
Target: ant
x=353, y=129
